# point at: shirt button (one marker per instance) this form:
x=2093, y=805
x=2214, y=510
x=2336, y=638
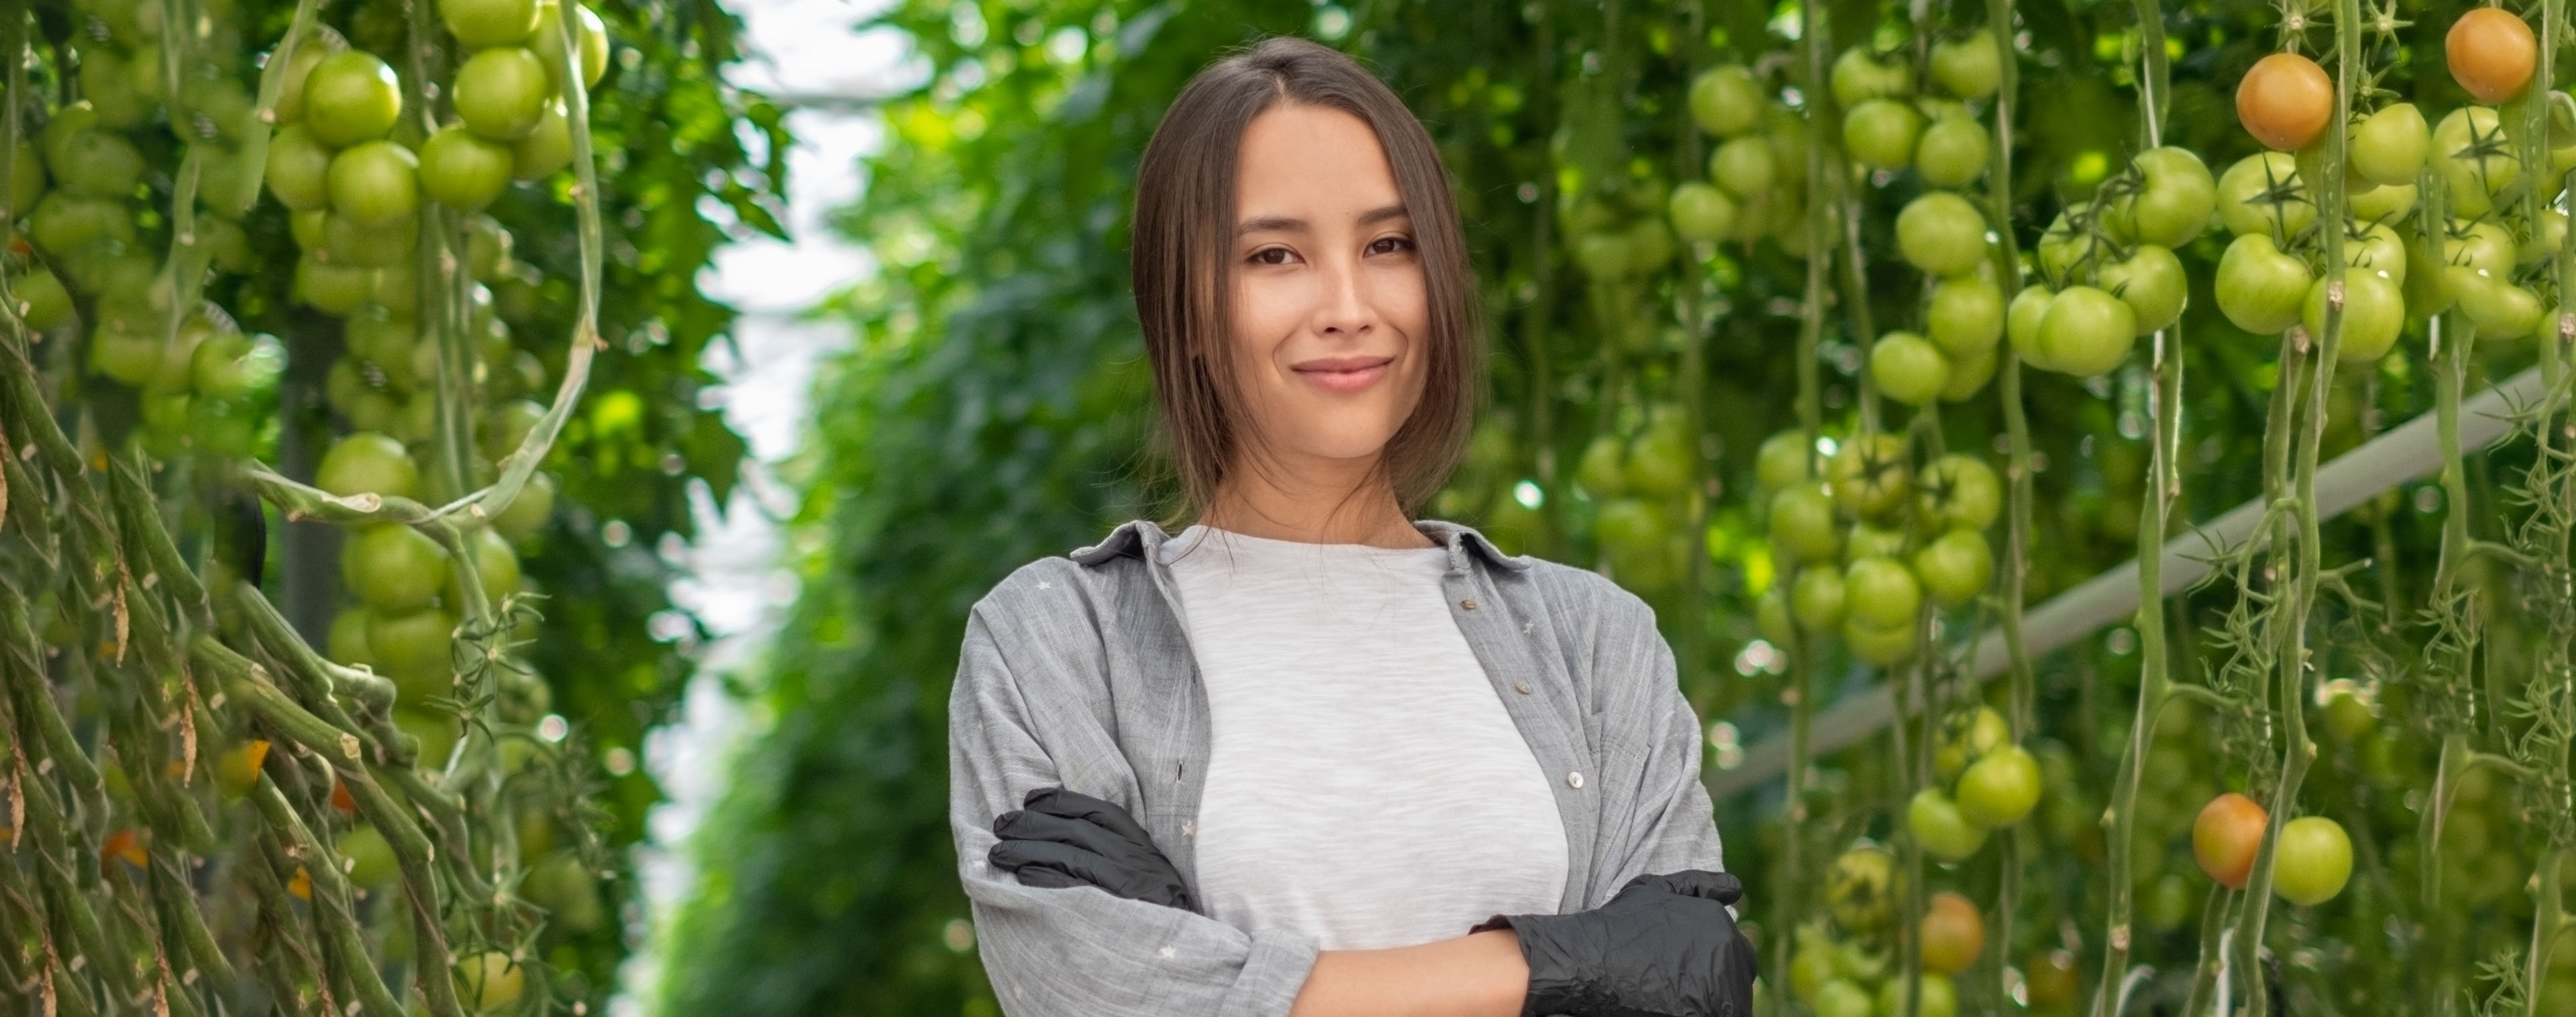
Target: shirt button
x=1468, y=604
x=1521, y=687
x=1574, y=779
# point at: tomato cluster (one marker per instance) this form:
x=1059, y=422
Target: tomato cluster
x=1873, y=540
x=1845, y=962
x=1756, y=186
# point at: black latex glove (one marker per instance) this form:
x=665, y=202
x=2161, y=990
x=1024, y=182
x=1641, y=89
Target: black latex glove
x=1664, y=947
x=1061, y=838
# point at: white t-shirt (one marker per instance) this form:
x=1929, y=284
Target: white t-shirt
x=1365, y=786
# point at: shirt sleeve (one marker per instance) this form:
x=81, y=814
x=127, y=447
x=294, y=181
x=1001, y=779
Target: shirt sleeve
x=1650, y=738
x=1079, y=951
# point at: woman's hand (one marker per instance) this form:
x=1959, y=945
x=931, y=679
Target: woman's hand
x=1664, y=946
x=1060, y=838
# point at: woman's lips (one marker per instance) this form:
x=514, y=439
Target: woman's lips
x=1343, y=374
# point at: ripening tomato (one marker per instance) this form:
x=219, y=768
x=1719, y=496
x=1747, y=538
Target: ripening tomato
x=1869, y=474
x=1940, y=829
x=1816, y=600
x=2000, y=789
x=1881, y=592
x=393, y=568
x=1942, y=234
x=1955, y=567
x=2387, y=147
x=2263, y=194
x=1785, y=460
x=1880, y=133
x=1953, y=933
x=481, y=24
x=375, y=184
x=351, y=96
x=1908, y=368
x=2491, y=54
x=1724, y=101
x=2022, y=320
x=2311, y=861
x=298, y=169
x=1969, y=68
x=2374, y=311
x=1802, y=524
x=501, y=92
x=2087, y=331
x=2261, y=289
x=2150, y=281
x=1952, y=152
x=2225, y=837
x=1699, y=211
x=2285, y=101
x=2172, y=203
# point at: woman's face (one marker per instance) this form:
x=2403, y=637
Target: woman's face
x=1327, y=307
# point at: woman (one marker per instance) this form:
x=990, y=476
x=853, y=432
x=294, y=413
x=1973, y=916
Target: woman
x=1310, y=756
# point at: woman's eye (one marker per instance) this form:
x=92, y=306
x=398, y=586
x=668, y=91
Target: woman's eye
x=1272, y=256
x=1390, y=245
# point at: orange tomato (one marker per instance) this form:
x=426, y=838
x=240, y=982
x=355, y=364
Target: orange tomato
x=2225, y=837
x=1954, y=933
x=2491, y=54
x=340, y=798
x=2285, y=101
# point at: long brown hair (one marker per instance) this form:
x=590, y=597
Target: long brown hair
x=1183, y=265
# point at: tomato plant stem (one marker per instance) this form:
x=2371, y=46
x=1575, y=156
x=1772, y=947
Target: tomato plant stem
x=1799, y=694
x=2016, y=564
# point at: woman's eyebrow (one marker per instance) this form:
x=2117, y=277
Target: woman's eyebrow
x=1383, y=213
x=1291, y=224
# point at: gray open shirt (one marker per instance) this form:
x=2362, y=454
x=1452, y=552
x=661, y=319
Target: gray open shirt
x=1077, y=672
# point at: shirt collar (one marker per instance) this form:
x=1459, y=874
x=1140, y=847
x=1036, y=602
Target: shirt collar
x=1141, y=538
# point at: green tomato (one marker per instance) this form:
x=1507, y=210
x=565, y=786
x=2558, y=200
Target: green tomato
x=1868, y=541
x=1969, y=68
x=329, y=288
x=496, y=569
x=2374, y=310
x=1952, y=152
x=2547, y=238
x=366, y=857
x=1816, y=600
x=2261, y=289
x=63, y=223
x=1880, y=133
x=368, y=462
x=2387, y=147
x=1602, y=473
x=2496, y=307
x=1968, y=376
x=98, y=164
x=393, y=569
x=43, y=303
x=413, y=649
x=2378, y=249
x=1942, y=234
x=2150, y=280
x=1998, y=790
x=546, y=150
x=1882, y=593
x=1702, y=212
x=2311, y=860
x=125, y=350
x=236, y=366
x=375, y=184
x=2263, y=194
x=1861, y=888
x=1771, y=618
x=2022, y=321
x=480, y=24
x=1659, y=461
x=1969, y=736
x=525, y=514
x=502, y=92
x=1940, y=998
x=2386, y=203
x=1786, y=460
x=349, y=242
x=1802, y=525
x=2064, y=250
x=347, y=643
x=1809, y=971
x=1959, y=492
x=1859, y=76
x=1939, y=827
x=1726, y=101
x=1841, y=998
x=590, y=37
x=1870, y=474
x=1744, y=167
x=2348, y=717
x=26, y=180
x=2087, y=331
x=349, y=97
x=2475, y=158
x=2173, y=203
x=1908, y=368
x=1966, y=318
x=462, y=171
x=1955, y=567
x=2483, y=245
